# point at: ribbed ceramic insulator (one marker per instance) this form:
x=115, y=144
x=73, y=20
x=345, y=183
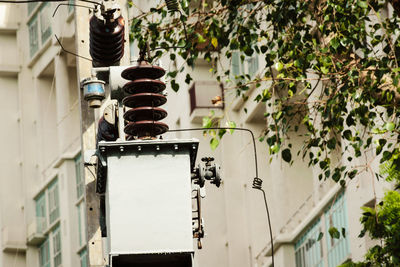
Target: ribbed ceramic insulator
x=144, y=98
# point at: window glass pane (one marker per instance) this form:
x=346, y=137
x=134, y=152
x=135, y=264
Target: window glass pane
x=235, y=64
x=308, y=248
x=45, y=26
x=81, y=223
x=41, y=213
x=71, y=7
x=57, y=247
x=31, y=7
x=44, y=254
x=33, y=36
x=54, y=210
x=336, y=216
x=253, y=65
x=80, y=183
x=83, y=256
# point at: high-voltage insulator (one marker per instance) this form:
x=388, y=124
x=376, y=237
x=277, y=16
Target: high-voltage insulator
x=107, y=38
x=144, y=99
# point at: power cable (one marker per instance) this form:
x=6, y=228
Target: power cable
x=257, y=182
x=35, y=1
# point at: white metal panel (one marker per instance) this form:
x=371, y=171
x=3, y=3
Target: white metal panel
x=149, y=203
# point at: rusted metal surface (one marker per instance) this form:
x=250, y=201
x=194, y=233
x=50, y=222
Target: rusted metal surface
x=144, y=100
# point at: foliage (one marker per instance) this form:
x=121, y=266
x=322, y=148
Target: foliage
x=382, y=223
x=330, y=74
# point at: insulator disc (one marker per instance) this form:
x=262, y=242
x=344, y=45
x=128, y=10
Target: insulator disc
x=144, y=86
x=143, y=71
x=145, y=113
x=144, y=99
x=106, y=41
x=145, y=128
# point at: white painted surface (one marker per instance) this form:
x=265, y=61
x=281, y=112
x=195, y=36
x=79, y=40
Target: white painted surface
x=149, y=204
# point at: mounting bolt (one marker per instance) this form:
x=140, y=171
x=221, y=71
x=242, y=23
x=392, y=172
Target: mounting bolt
x=176, y=147
x=157, y=148
x=102, y=149
x=121, y=148
x=139, y=148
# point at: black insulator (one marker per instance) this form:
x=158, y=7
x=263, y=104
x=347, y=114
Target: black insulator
x=107, y=38
x=144, y=98
x=172, y=5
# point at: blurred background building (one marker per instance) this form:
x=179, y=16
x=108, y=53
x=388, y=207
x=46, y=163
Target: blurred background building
x=42, y=199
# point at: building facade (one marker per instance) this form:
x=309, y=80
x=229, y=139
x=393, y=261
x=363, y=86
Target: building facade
x=43, y=212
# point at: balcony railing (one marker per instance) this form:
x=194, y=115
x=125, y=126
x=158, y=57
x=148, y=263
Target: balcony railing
x=206, y=95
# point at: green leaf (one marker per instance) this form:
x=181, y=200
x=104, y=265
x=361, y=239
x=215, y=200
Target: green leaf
x=278, y=66
x=362, y=4
x=286, y=155
x=231, y=124
x=390, y=126
x=334, y=233
x=207, y=122
x=321, y=234
x=214, y=142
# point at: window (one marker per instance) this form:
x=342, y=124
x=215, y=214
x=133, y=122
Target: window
x=39, y=26
x=83, y=256
x=33, y=36
x=31, y=7
x=308, y=249
x=244, y=65
x=81, y=223
x=57, y=247
x=336, y=216
x=41, y=224
x=45, y=27
x=71, y=7
x=316, y=248
x=80, y=182
x=44, y=254
x=54, y=209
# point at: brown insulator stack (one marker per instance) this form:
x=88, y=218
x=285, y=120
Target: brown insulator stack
x=106, y=41
x=144, y=99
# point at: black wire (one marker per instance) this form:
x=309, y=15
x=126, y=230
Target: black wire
x=34, y=1
x=257, y=182
x=64, y=4
x=69, y=52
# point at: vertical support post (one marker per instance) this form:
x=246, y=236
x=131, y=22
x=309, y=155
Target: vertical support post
x=121, y=125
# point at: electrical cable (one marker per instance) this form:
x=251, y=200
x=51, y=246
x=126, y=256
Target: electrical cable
x=69, y=52
x=63, y=4
x=34, y=1
x=257, y=182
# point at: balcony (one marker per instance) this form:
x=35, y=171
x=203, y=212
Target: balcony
x=204, y=97
x=36, y=231
x=13, y=239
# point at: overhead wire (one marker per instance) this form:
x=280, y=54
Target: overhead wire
x=257, y=181
x=34, y=1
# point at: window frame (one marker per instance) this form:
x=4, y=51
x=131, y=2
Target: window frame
x=57, y=247
x=46, y=246
x=40, y=16
x=53, y=201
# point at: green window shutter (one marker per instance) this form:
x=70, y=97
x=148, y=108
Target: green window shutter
x=31, y=7
x=336, y=216
x=253, y=65
x=235, y=71
x=44, y=254
x=41, y=213
x=54, y=207
x=84, y=260
x=308, y=250
x=45, y=24
x=33, y=36
x=80, y=182
x=57, y=259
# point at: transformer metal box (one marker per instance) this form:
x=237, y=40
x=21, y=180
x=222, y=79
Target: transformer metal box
x=148, y=202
